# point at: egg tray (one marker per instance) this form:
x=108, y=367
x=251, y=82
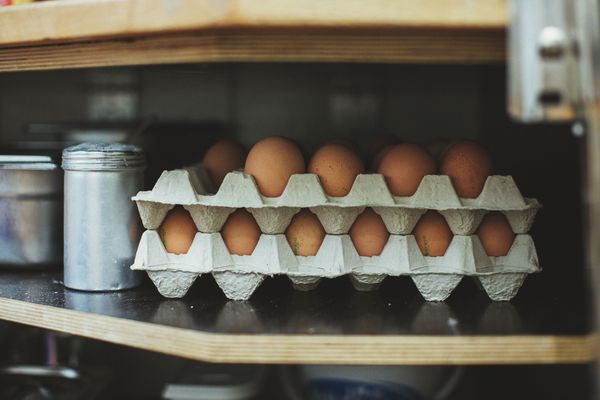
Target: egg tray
x=239, y=276
x=188, y=187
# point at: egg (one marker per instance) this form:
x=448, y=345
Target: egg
x=432, y=234
x=437, y=148
x=177, y=231
x=336, y=166
x=376, y=161
x=381, y=145
x=369, y=234
x=404, y=166
x=345, y=142
x=271, y=162
x=224, y=156
x=495, y=234
x=240, y=233
x=305, y=233
x=468, y=165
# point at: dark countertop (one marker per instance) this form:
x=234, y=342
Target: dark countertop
x=333, y=308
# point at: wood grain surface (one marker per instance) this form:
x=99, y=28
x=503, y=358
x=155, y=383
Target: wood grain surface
x=100, y=33
x=407, y=46
x=78, y=20
x=326, y=349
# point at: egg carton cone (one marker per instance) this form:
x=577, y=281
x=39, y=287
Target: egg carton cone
x=191, y=189
x=239, y=276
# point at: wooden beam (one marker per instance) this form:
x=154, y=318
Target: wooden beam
x=380, y=46
x=81, y=20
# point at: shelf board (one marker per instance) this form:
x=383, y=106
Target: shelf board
x=334, y=324
x=89, y=33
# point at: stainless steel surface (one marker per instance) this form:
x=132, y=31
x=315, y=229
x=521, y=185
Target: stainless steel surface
x=589, y=11
x=30, y=212
x=32, y=382
x=103, y=156
x=38, y=370
x=565, y=58
x=544, y=80
x=101, y=224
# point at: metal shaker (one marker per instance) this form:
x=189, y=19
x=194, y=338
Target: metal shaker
x=101, y=225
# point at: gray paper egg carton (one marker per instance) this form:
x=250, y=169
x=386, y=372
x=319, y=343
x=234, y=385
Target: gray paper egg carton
x=239, y=276
x=189, y=187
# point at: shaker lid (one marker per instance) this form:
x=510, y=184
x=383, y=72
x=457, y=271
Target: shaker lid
x=26, y=162
x=102, y=156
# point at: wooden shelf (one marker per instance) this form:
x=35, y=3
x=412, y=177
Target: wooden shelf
x=390, y=326
x=88, y=33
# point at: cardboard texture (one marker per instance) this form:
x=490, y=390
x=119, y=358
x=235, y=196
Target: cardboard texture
x=239, y=276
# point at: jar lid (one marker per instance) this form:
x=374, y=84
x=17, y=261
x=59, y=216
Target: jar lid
x=26, y=162
x=102, y=156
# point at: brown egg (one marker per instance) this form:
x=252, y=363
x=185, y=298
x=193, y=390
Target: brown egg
x=376, y=161
x=432, y=234
x=305, y=233
x=381, y=144
x=336, y=166
x=224, y=156
x=495, y=234
x=272, y=161
x=177, y=231
x=468, y=165
x=240, y=233
x=377, y=142
x=345, y=142
x=437, y=148
x=404, y=166
x=369, y=234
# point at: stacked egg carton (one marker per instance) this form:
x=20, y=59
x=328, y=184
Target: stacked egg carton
x=238, y=276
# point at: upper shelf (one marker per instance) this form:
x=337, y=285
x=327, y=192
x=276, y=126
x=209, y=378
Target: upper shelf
x=85, y=33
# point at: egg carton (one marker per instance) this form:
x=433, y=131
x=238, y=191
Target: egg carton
x=239, y=276
x=190, y=187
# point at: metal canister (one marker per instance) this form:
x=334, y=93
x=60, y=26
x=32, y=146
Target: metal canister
x=30, y=211
x=101, y=225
